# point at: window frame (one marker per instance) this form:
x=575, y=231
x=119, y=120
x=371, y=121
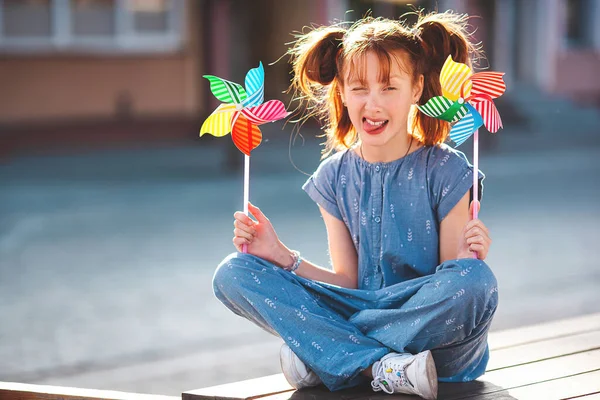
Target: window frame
x=124, y=41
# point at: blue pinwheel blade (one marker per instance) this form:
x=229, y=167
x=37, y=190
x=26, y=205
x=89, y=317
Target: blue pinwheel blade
x=464, y=128
x=255, y=81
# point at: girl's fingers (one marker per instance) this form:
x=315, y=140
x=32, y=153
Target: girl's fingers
x=257, y=213
x=477, y=231
x=239, y=241
x=476, y=239
x=476, y=223
x=480, y=249
x=242, y=233
x=240, y=225
x=240, y=216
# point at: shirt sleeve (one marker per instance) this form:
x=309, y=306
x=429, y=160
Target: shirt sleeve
x=321, y=186
x=450, y=178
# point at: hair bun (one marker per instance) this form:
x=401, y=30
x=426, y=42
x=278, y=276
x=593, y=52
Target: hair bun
x=441, y=38
x=322, y=62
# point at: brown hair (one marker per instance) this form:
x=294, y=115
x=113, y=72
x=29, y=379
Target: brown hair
x=319, y=59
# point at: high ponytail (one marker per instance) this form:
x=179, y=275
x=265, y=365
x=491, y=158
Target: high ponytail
x=317, y=62
x=314, y=59
x=440, y=35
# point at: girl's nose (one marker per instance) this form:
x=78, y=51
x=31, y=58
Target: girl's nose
x=373, y=101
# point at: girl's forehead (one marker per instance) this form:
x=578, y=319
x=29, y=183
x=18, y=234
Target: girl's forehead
x=384, y=65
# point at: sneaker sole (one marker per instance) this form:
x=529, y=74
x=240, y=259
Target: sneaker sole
x=430, y=384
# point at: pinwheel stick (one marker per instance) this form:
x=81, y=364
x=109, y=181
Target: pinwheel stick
x=475, y=175
x=246, y=191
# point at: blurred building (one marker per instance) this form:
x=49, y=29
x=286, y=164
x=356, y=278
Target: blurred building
x=96, y=62
x=98, y=59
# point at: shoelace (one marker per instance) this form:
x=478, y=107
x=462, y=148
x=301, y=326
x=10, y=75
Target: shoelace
x=380, y=382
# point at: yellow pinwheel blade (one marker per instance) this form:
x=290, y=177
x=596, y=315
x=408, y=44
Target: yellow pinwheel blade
x=452, y=78
x=219, y=122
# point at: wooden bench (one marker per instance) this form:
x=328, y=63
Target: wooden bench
x=557, y=360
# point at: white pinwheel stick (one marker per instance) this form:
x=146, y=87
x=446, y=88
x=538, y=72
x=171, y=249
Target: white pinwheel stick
x=475, y=177
x=246, y=191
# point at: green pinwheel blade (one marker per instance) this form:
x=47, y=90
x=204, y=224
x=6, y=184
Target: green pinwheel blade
x=443, y=108
x=226, y=91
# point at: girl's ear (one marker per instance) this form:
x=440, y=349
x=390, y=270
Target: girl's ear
x=341, y=92
x=418, y=88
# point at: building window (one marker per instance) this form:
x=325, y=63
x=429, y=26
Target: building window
x=149, y=15
x=93, y=18
x=91, y=25
x=578, y=23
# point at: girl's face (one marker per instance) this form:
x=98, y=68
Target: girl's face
x=379, y=108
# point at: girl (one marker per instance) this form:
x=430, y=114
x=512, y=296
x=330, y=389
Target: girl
x=406, y=303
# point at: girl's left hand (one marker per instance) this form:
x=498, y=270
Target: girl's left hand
x=476, y=238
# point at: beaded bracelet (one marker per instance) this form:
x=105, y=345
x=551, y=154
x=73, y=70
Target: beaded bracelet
x=297, y=260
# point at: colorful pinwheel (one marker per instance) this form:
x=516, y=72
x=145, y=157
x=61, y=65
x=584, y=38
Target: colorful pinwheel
x=242, y=110
x=467, y=101
x=240, y=114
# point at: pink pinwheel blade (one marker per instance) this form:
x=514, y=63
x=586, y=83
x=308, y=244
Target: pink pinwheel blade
x=489, y=114
x=488, y=83
x=270, y=111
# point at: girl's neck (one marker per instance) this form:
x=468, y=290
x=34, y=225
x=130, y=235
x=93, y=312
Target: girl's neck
x=392, y=150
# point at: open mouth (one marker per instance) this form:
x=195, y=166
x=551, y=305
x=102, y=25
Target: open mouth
x=374, y=127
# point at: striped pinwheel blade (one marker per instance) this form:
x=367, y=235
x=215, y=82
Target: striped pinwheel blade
x=488, y=83
x=219, y=122
x=245, y=134
x=227, y=92
x=452, y=78
x=464, y=128
x=255, y=81
x=489, y=113
x=442, y=108
x=270, y=111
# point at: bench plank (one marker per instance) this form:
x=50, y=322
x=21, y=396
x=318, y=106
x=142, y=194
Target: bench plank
x=560, y=388
x=526, y=374
x=543, y=350
x=248, y=389
x=23, y=391
x=544, y=331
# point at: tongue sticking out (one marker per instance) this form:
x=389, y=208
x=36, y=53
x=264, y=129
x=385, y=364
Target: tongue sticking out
x=374, y=127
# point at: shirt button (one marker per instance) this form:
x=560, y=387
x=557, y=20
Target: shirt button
x=377, y=168
x=377, y=219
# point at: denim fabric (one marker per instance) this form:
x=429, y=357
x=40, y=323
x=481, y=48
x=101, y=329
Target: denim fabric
x=339, y=332
x=405, y=301
x=393, y=210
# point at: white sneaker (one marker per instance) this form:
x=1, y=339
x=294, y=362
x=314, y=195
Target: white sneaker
x=295, y=371
x=406, y=373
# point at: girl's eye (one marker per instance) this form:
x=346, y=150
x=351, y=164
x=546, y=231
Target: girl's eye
x=357, y=89
x=390, y=88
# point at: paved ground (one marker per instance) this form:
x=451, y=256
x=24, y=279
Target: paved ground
x=106, y=258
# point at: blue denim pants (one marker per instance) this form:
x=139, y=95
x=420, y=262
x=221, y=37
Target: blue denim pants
x=340, y=332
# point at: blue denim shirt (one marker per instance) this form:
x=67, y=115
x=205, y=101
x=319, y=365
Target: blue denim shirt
x=393, y=210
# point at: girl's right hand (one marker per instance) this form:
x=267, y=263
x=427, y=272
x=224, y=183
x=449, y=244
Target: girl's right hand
x=259, y=236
